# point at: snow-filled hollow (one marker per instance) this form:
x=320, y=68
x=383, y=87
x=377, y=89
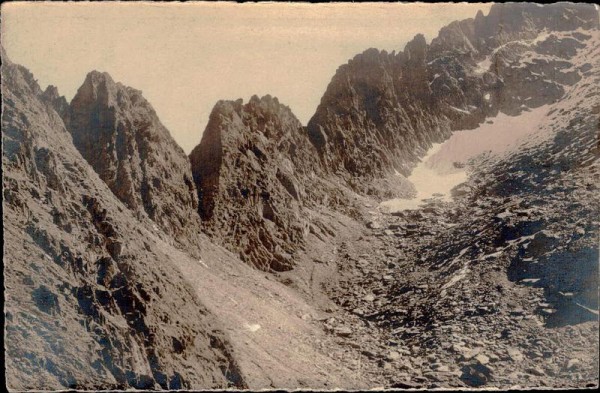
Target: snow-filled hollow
x=444, y=166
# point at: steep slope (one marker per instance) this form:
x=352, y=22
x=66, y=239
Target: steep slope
x=118, y=132
x=382, y=111
x=255, y=170
x=374, y=116
x=498, y=288
x=91, y=299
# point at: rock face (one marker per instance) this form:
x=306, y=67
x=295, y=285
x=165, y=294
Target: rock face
x=512, y=58
x=78, y=264
x=118, y=132
x=382, y=111
x=250, y=170
x=510, y=22
x=58, y=102
x=374, y=116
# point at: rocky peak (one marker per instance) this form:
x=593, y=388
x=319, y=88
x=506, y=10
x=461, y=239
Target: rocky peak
x=416, y=49
x=249, y=169
x=376, y=99
x=513, y=21
x=58, y=102
x=267, y=102
x=51, y=93
x=98, y=87
x=118, y=132
x=458, y=37
x=415, y=68
x=21, y=79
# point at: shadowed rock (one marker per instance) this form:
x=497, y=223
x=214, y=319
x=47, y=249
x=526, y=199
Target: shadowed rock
x=118, y=132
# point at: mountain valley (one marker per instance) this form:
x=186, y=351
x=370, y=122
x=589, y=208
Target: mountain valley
x=282, y=256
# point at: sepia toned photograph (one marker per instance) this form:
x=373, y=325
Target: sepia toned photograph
x=295, y=196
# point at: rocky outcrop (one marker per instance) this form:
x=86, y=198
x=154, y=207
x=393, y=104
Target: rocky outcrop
x=93, y=298
x=374, y=116
x=515, y=56
x=514, y=21
x=251, y=170
x=118, y=132
x=511, y=22
x=58, y=102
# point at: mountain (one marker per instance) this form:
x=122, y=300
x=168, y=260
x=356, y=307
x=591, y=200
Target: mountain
x=93, y=298
x=374, y=116
x=498, y=287
x=255, y=170
x=124, y=258
x=119, y=134
x=382, y=111
x=260, y=174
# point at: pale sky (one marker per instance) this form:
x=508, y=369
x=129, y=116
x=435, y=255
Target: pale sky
x=187, y=56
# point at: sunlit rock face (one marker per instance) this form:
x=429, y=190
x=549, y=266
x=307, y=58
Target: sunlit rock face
x=375, y=114
x=251, y=170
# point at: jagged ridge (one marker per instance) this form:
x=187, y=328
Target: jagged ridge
x=78, y=264
x=251, y=170
x=382, y=111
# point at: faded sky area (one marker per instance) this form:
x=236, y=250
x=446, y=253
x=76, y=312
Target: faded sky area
x=186, y=56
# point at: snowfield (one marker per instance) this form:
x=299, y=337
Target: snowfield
x=437, y=172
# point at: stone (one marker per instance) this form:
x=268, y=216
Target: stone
x=481, y=358
x=515, y=354
x=393, y=355
x=573, y=364
x=343, y=331
x=537, y=371
x=374, y=225
x=476, y=374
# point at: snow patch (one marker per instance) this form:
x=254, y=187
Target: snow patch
x=438, y=172
x=427, y=182
x=459, y=110
x=530, y=280
x=252, y=327
x=484, y=65
x=434, y=78
x=499, y=137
